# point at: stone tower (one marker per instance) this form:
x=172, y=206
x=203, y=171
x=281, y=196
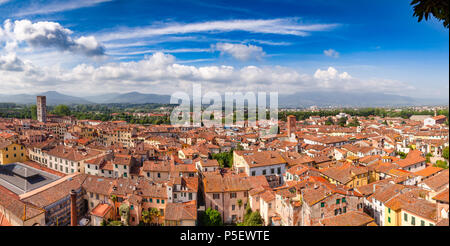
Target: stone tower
x=291, y=125
x=41, y=104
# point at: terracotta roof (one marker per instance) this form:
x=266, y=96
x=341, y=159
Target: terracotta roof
x=428, y=171
x=101, y=210
x=442, y=197
x=352, y=218
x=181, y=211
x=438, y=181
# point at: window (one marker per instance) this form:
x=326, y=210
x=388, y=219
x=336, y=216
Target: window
x=345, y=209
x=336, y=212
x=162, y=201
x=151, y=199
x=405, y=217
x=157, y=200
x=190, y=196
x=216, y=208
x=264, y=172
x=159, y=175
x=422, y=223
x=338, y=201
x=131, y=207
x=233, y=207
x=322, y=204
x=389, y=210
x=216, y=196
x=343, y=200
x=413, y=220
x=125, y=175
x=389, y=219
x=272, y=171
x=233, y=195
x=279, y=170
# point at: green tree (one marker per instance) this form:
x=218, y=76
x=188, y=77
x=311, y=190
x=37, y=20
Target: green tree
x=441, y=164
x=211, y=217
x=329, y=121
x=251, y=218
x=342, y=121
x=124, y=211
x=354, y=123
x=33, y=110
x=225, y=159
x=62, y=110
x=445, y=153
x=438, y=8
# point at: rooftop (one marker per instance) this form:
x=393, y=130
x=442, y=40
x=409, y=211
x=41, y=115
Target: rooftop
x=20, y=178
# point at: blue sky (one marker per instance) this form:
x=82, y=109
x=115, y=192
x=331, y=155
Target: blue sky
x=101, y=46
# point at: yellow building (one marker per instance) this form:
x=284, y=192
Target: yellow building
x=405, y=210
x=11, y=152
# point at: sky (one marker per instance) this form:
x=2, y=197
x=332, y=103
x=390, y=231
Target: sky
x=88, y=47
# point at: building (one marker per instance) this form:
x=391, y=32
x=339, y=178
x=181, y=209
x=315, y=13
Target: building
x=269, y=164
x=291, y=125
x=12, y=152
x=229, y=194
x=41, y=107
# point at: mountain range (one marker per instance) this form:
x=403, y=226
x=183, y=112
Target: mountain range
x=301, y=99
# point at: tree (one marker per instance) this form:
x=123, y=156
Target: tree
x=124, y=210
x=329, y=121
x=239, y=202
x=114, y=200
x=33, y=110
x=445, y=153
x=354, y=123
x=225, y=159
x=62, y=110
x=342, y=121
x=211, y=217
x=438, y=8
x=251, y=218
x=401, y=154
x=441, y=164
x=154, y=214
x=146, y=218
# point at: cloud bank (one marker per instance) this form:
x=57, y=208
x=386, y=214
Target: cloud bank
x=46, y=34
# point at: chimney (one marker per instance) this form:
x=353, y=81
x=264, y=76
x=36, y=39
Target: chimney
x=73, y=208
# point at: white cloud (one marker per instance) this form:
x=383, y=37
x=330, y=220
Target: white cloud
x=161, y=73
x=240, y=51
x=331, y=53
x=3, y=1
x=49, y=35
x=283, y=26
x=58, y=7
x=11, y=62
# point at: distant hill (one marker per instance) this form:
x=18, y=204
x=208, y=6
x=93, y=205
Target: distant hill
x=131, y=97
x=348, y=99
x=301, y=99
x=53, y=98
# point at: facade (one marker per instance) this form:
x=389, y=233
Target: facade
x=41, y=106
x=12, y=152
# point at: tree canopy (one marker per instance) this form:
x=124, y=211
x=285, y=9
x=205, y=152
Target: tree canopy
x=62, y=110
x=211, y=217
x=438, y=8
